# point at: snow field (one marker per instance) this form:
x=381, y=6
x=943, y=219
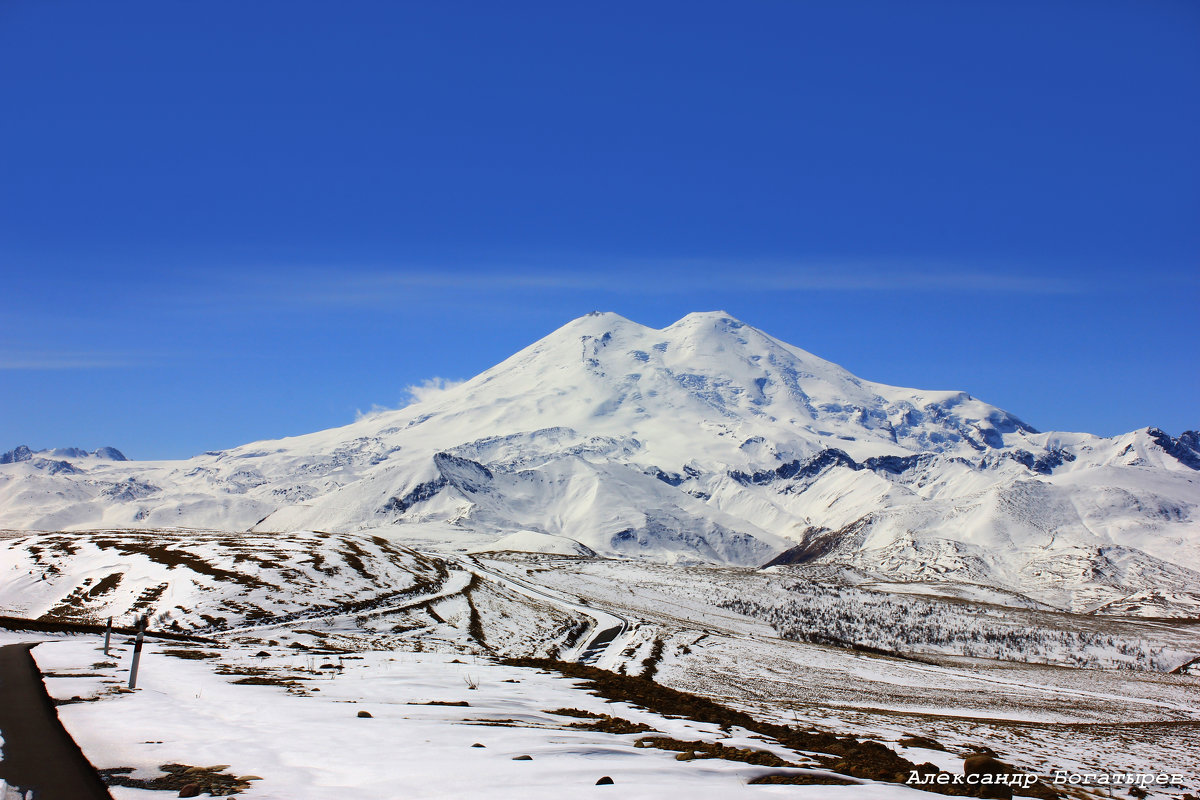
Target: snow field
x=313, y=745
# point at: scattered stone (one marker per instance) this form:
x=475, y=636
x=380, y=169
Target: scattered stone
x=912, y=740
x=191, y=790
x=522, y=758
x=985, y=765
x=364, y=715
x=477, y=744
x=605, y=781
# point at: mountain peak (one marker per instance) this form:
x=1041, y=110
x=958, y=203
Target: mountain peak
x=24, y=453
x=707, y=316
x=706, y=440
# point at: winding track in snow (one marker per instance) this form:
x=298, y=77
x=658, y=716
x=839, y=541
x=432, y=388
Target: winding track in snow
x=454, y=584
x=607, y=629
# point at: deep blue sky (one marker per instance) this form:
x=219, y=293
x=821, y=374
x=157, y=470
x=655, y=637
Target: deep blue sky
x=225, y=221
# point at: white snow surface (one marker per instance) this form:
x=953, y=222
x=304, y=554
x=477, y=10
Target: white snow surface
x=313, y=745
x=707, y=441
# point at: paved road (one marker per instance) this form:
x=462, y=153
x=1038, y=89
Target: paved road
x=39, y=754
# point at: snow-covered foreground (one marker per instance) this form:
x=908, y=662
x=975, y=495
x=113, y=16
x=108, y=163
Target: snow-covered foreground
x=310, y=628
x=308, y=740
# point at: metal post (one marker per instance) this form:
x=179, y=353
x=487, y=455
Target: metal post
x=137, y=656
x=107, y=635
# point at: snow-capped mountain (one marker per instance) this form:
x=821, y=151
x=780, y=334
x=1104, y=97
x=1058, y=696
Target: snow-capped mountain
x=707, y=440
x=23, y=453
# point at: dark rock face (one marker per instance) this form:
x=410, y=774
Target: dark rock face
x=897, y=465
x=793, y=470
x=1185, y=449
x=424, y=491
x=669, y=478
x=55, y=467
x=830, y=458
x=1044, y=464
x=816, y=543
x=18, y=453
x=464, y=474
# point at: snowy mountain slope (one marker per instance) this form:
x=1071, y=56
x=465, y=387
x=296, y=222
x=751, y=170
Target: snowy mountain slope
x=23, y=453
x=192, y=579
x=707, y=440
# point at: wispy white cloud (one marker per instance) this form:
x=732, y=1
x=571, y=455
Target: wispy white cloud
x=374, y=411
x=428, y=389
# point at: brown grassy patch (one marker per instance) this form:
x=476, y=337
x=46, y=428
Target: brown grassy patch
x=800, y=779
x=210, y=780
x=604, y=723
x=268, y=680
x=845, y=754
x=574, y=712
x=610, y=724
x=692, y=750
x=650, y=663
x=106, y=584
x=193, y=655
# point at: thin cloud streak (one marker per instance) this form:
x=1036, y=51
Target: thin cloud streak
x=373, y=287
x=65, y=361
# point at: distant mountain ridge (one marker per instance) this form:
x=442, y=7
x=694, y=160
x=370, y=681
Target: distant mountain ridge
x=705, y=441
x=23, y=453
